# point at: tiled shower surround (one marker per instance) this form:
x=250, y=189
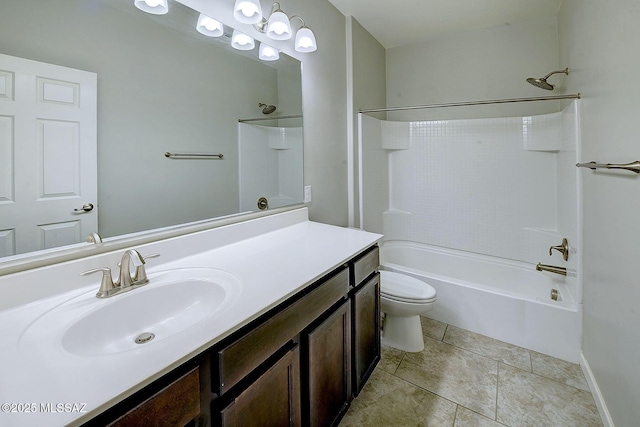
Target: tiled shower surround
x=489, y=186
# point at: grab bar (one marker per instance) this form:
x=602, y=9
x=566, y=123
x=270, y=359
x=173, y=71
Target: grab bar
x=192, y=156
x=633, y=166
x=551, y=269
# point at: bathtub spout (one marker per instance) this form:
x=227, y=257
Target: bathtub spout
x=552, y=269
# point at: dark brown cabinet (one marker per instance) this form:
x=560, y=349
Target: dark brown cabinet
x=273, y=400
x=366, y=330
x=365, y=309
x=178, y=402
x=300, y=363
x=327, y=368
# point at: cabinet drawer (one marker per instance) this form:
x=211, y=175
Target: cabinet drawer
x=365, y=265
x=176, y=405
x=272, y=400
x=242, y=356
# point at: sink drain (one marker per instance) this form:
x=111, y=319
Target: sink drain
x=144, y=337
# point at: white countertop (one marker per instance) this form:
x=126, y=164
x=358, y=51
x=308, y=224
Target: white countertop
x=271, y=267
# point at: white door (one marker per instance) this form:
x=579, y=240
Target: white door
x=48, y=155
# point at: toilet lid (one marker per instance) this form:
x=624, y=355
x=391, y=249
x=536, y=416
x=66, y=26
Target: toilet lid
x=402, y=287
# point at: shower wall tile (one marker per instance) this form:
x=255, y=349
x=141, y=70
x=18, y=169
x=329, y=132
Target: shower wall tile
x=542, y=133
x=397, y=225
x=395, y=135
x=470, y=185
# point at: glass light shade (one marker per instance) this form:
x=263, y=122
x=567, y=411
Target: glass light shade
x=247, y=11
x=242, y=41
x=268, y=53
x=155, y=7
x=305, y=40
x=278, y=27
x=209, y=26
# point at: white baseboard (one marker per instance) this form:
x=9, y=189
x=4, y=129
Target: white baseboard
x=595, y=391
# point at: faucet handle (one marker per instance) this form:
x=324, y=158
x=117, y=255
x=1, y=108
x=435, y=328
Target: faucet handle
x=106, y=284
x=563, y=248
x=141, y=273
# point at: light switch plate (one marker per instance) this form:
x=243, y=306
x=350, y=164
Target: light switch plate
x=307, y=194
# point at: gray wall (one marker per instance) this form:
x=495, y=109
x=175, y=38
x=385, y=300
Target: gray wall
x=474, y=65
x=599, y=41
x=369, y=83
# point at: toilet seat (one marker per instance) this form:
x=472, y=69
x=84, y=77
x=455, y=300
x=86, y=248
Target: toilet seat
x=403, y=288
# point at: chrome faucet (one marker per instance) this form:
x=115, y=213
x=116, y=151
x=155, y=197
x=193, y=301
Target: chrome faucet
x=126, y=281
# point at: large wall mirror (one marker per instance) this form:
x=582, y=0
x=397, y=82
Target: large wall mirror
x=161, y=87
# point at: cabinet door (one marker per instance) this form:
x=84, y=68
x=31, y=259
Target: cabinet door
x=328, y=368
x=366, y=331
x=174, y=405
x=273, y=400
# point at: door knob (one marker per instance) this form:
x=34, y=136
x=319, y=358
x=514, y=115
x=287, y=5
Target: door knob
x=87, y=207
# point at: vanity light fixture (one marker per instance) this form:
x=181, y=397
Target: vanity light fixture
x=305, y=39
x=277, y=26
x=209, y=26
x=242, y=41
x=268, y=53
x=247, y=11
x=155, y=7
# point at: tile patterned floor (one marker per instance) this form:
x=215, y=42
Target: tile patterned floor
x=463, y=379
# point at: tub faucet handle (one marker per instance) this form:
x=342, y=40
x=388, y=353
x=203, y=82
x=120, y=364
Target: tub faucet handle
x=563, y=248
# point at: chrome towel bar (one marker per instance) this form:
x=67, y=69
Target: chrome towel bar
x=633, y=166
x=192, y=156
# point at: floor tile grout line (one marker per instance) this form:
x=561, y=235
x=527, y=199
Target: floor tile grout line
x=436, y=394
x=529, y=353
x=455, y=415
x=495, y=417
x=485, y=355
x=550, y=379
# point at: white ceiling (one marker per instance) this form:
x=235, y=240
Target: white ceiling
x=400, y=22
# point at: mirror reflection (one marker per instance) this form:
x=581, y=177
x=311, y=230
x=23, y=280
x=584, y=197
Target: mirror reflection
x=159, y=86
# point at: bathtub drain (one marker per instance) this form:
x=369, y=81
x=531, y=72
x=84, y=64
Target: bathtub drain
x=144, y=337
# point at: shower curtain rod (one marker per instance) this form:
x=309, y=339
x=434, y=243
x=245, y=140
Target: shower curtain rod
x=295, y=116
x=464, y=104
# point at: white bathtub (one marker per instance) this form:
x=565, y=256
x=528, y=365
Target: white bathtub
x=506, y=300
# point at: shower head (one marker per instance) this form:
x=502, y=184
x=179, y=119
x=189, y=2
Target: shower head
x=542, y=82
x=267, y=109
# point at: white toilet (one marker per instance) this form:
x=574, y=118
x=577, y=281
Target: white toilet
x=403, y=299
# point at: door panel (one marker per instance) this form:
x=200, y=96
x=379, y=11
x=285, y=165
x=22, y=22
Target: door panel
x=48, y=155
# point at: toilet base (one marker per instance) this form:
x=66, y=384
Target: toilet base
x=403, y=333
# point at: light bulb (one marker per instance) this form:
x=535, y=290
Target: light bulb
x=156, y=7
x=267, y=53
x=209, y=26
x=241, y=41
x=305, y=40
x=278, y=27
x=247, y=11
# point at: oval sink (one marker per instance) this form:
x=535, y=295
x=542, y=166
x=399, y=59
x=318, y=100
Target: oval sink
x=172, y=302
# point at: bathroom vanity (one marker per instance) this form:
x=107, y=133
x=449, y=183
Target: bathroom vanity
x=293, y=342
